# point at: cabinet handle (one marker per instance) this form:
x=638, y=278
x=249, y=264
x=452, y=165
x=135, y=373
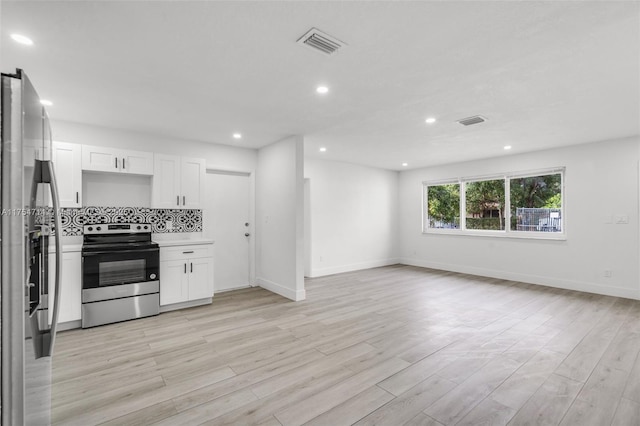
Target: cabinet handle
x=185, y=268
x=123, y=164
x=184, y=200
x=177, y=200
x=116, y=162
x=187, y=252
x=77, y=197
x=191, y=267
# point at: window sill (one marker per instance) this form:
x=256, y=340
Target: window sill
x=500, y=234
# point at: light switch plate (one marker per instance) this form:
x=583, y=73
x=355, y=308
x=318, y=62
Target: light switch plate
x=621, y=219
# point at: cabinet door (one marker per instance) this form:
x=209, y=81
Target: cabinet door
x=67, y=162
x=70, y=287
x=100, y=159
x=137, y=162
x=166, y=182
x=174, y=277
x=193, y=178
x=200, y=278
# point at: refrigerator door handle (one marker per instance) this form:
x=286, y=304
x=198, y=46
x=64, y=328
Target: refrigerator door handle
x=55, y=196
x=44, y=339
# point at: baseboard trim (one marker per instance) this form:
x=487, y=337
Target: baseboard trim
x=320, y=272
x=232, y=288
x=527, y=278
x=183, y=305
x=283, y=291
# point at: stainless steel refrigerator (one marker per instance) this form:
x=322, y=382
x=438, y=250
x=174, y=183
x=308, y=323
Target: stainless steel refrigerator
x=30, y=219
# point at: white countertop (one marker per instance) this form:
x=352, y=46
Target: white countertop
x=180, y=239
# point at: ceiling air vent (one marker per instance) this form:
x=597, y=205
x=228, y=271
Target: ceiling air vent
x=321, y=42
x=476, y=119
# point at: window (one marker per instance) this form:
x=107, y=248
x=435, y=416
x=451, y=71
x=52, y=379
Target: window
x=484, y=204
x=443, y=210
x=522, y=204
x=536, y=203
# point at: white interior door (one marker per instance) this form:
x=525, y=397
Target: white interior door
x=225, y=213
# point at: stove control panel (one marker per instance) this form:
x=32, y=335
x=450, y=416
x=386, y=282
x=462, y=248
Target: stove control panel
x=117, y=228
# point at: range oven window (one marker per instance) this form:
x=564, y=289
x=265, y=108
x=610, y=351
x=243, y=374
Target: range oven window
x=122, y=272
x=108, y=268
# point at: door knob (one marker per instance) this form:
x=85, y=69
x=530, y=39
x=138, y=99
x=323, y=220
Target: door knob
x=246, y=234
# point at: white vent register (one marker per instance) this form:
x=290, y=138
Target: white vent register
x=469, y=121
x=321, y=42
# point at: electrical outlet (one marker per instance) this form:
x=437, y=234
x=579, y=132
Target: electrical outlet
x=169, y=225
x=607, y=273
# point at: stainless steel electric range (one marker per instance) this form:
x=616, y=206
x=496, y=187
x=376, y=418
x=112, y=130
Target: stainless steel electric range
x=120, y=273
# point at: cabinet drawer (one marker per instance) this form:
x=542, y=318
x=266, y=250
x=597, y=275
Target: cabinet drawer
x=186, y=252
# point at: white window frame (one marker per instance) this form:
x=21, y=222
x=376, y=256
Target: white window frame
x=507, y=232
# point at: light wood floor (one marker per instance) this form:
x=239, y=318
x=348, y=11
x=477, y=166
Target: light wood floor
x=394, y=345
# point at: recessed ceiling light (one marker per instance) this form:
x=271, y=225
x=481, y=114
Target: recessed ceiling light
x=430, y=120
x=46, y=102
x=405, y=164
x=322, y=89
x=323, y=149
x=237, y=136
x=507, y=147
x=22, y=39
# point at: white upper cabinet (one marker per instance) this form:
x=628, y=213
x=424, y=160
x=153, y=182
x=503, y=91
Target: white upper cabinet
x=166, y=182
x=67, y=163
x=137, y=162
x=192, y=184
x=178, y=182
x=104, y=159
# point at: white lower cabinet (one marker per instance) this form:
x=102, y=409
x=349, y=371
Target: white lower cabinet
x=186, y=273
x=70, y=286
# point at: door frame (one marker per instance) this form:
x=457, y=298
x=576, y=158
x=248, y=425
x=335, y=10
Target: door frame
x=252, y=214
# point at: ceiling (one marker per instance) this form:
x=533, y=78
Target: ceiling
x=544, y=74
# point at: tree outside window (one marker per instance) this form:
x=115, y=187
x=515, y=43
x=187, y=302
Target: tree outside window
x=485, y=204
x=444, y=206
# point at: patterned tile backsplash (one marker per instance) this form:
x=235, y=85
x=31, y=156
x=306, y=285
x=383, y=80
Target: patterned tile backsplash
x=187, y=220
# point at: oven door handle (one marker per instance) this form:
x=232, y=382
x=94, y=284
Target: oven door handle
x=98, y=253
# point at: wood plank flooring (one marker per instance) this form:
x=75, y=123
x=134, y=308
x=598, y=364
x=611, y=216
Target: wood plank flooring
x=397, y=345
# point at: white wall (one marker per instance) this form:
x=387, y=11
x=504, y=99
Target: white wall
x=280, y=217
x=113, y=190
x=601, y=181
x=219, y=157
x=354, y=216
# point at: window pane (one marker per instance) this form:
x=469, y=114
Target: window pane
x=485, y=204
x=536, y=203
x=443, y=206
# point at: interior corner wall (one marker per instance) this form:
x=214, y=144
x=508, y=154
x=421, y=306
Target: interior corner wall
x=280, y=218
x=354, y=216
x=601, y=182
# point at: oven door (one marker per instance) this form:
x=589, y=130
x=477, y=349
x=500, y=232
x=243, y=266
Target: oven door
x=117, y=267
